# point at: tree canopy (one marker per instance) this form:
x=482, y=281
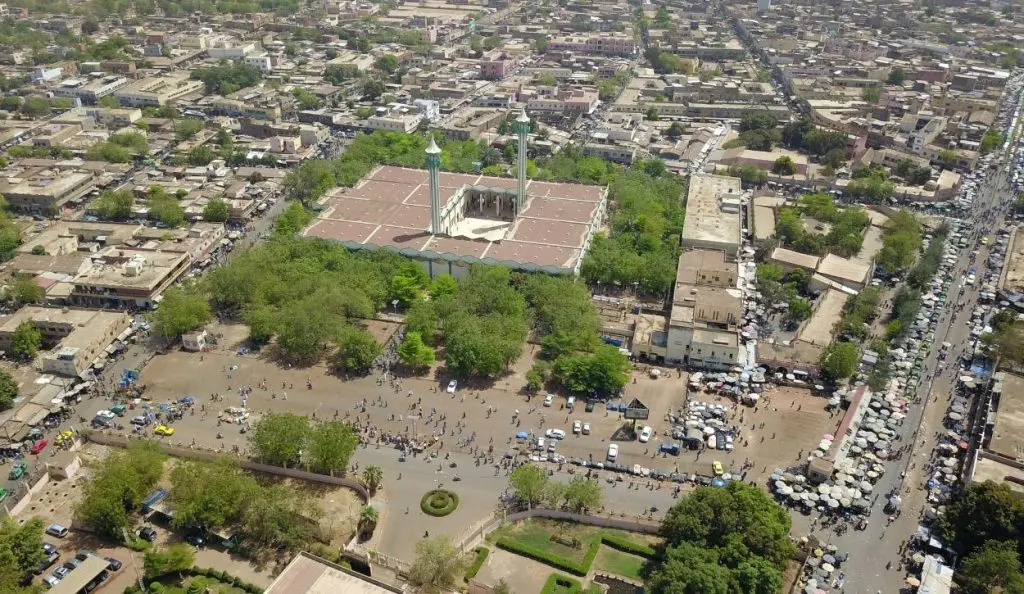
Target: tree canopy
x=722, y=540
x=118, y=485
x=180, y=311
x=289, y=440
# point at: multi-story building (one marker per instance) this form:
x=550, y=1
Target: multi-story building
x=605, y=44
x=565, y=101
x=713, y=214
x=48, y=191
x=496, y=65
x=156, y=91
x=74, y=338
x=90, y=91
x=125, y=278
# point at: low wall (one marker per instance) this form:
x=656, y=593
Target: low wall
x=122, y=441
x=36, y=487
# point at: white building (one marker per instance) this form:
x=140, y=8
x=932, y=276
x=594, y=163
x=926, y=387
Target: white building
x=261, y=61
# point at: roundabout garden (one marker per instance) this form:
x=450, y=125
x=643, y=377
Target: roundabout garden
x=439, y=502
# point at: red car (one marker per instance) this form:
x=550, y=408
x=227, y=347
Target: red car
x=39, y=446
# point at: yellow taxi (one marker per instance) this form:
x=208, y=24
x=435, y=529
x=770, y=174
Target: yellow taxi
x=163, y=430
x=717, y=467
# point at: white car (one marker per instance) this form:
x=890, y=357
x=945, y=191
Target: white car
x=549, y=400
x=555, y=434
x=586, y=428
x=452, y=385
x=577, y=427
x=613, y=451
x=645, y=434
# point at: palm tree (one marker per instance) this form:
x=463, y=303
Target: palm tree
x=368, y=520
x=373, y=476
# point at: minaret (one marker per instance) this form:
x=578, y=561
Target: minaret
x=433, y=166
x=522, y=128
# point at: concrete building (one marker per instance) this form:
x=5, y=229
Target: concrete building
x=713, y=205
x=565, y=101
x=156, y=91
x=90, y=91
x=395, y=121
x=853, y=274
x=48, y=191
x=496, y=65
x=450, y=221
x=126, y=278
x=75, y=338
x=469, y=123
x=604, y=44
x=307, y=574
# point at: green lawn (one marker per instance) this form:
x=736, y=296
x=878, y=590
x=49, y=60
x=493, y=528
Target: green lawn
x=171, y=585
x=619, y=563
x=537, y=534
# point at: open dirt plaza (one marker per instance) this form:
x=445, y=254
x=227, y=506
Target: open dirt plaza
x=462, y=420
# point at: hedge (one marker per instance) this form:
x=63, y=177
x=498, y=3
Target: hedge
x=627, y=546
x=576, y=568
x=555, y=580
x=453, y=502
x=221, y=576
x=478, y=562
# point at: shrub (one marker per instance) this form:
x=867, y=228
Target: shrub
x=478, y=562
x=627, y=546
x=514, y=546
x=564, y=582
x=439, y=502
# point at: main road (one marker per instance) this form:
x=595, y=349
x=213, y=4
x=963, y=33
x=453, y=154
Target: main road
x=872, y=549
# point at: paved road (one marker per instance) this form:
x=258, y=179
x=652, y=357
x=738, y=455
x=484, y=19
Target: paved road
x=872, y=548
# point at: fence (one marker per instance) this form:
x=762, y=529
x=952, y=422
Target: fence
x=198, y=453
x=481, y=532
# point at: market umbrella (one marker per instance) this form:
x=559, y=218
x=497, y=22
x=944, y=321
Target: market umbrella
x=827, y=567
x=832, y=503
x=829, y=559
x=913, y=581
x=918, y=558
x=867, y=487
x=856, y=449
x=845, y=502
x=824, y=489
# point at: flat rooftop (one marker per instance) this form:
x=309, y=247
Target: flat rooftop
x=829, y=310
x=307, y=574
x=1014, y=279
x=109, y=270
x=705, y=219
x=390, y=208
x=988, y=469
x=1008, y=427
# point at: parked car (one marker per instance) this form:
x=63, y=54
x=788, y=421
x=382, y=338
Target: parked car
x=17, y=470
x=49, y=548
x=613, y=451
x=39, y=446
x=51, y=581
x=586, y=428
x=195, y=538
x=555, y=434
x=46, y=563
x=113, y=563
x=147, y=533
x=716, y=466
x=57, y=530
x=163, y=430
x=577, y=427
x=645, y=434
x=452, y=386
x=140, y=420
x=549, y=400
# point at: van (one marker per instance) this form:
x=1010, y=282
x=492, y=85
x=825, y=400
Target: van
x=570, y=402
x=539, y=445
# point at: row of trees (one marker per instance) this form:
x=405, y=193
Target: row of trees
x=227, y=77
x=21, y=551
x=900, y=243
x=532, y=486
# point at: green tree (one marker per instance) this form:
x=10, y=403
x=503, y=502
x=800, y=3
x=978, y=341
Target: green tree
x=983, y=512
x=947, y=157
x=368, y=518
x=357, y=349
x=871, y=94
x=210, y=495
x=994, y=567
x=8, y=390
x=24, y=289
x=437, y=564
x=187, y=128
x=118, y=485
x=799, y=310
x=21, y=551
x=897, y=76
x=784, y=166
x=443, y=285
x=26, y=341
x=277, y=516
x=216, y=210
x=114, y=205
x=165, y=208
x=582, y=495
x=373, y=89
x=331, y=447
x=174, y=559
x=662, y=19
x=373, y=477
x=991, y=140
x=35, y=107
x=603, y=372
x=528, y=483
x=651, y=114
x=688, y=569
x=414, y=353
x=179, y=312
x=280, y=438
x=839, y=360
x=758, y=121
